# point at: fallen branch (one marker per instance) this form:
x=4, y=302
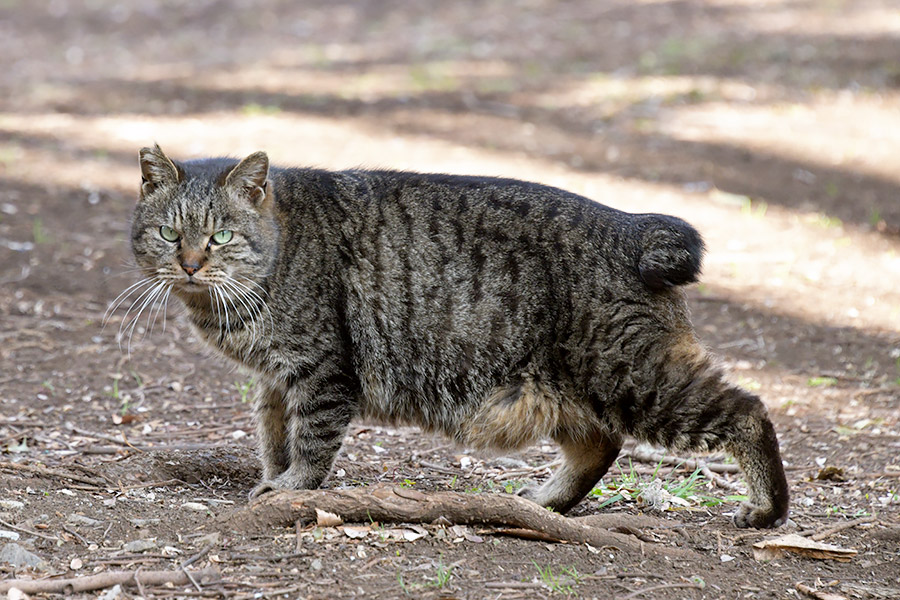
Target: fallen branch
x=687, y=463
x=49, y=473
x=28, y=531
x=820, y=534
x=388, y=504
x=657, y=588
x=104, y=580
x=718, y=480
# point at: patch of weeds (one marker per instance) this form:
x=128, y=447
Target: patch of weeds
x=252, y=108
x=432, y=78
x=827, y=222
x=632, y=486
x=475, y=489
x=874, y=217
x=564, y=583
x=749, y=384
x=407, y=483
x=821, y=381
x=756, y=209
x=38, y=233
x=115, y=388
x=244, y=389
x=402, y=583
x=835, y=510
x=443, y=574
x=48, y=386
x=513, y=486
x=452, y=484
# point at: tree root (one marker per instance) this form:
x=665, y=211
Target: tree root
x=106, y=580
x=389, y=504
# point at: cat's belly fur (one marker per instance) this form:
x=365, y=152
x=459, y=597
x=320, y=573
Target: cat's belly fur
x=509, y=416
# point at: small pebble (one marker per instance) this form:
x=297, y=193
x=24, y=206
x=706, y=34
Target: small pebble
x=17, y=556
x=139, y=545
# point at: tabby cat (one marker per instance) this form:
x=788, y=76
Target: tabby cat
x=495, y=311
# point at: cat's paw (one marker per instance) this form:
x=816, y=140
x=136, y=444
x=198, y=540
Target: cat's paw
x=263, y=487
x=531, y=492
x=750, y=515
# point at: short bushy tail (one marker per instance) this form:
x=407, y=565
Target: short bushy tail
x=671, y=251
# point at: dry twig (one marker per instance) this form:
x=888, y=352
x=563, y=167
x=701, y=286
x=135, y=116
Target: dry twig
x=664, y=586
x=820, y=534
x=49, y=473
x=687, y=463
x=28, y=531
x=814, y=593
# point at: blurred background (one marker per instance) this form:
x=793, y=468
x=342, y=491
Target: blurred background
x=771, y=125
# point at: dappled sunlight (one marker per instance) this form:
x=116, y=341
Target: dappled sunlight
x=777, y=258
x=859, y=135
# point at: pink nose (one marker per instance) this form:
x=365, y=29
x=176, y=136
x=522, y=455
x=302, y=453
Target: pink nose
x=190, y=268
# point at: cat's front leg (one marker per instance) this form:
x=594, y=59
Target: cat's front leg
x=315, y=414
x=271, y=424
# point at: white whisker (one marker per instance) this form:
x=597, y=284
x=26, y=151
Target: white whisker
x=253, y=312
x=157, y=308
x=122, y=297
x=256, y=297
x=147, y=302
x=214, y=302
x=137, y=301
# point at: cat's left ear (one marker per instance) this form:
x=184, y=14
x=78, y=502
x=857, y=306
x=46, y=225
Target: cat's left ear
x=249, y=178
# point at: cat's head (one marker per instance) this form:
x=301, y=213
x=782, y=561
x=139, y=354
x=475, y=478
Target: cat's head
x=206, y=223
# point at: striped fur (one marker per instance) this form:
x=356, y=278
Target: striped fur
x=494, y=311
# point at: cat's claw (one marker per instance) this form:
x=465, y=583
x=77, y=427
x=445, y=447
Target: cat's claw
x=530, y=492
x=263, y=487
x=750, y=515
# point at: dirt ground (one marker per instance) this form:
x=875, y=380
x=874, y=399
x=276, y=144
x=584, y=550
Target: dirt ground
x=771, y=125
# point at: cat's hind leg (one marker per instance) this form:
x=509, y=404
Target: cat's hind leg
x=690, y=407
x=585, y=461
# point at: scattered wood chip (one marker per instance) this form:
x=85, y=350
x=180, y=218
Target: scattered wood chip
x=814, y=593
x=778, y=547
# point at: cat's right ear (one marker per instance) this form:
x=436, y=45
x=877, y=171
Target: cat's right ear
x=156, y=170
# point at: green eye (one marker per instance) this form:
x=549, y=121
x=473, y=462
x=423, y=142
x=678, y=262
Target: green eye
x=168, y=234
x=221, y=237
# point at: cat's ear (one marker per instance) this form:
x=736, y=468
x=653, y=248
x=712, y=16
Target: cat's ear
x=249, y=177
x=156, y=170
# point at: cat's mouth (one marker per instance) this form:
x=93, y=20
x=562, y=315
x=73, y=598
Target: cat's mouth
x=192, y=285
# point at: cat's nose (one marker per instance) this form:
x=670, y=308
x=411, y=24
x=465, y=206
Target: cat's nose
x=190, y=268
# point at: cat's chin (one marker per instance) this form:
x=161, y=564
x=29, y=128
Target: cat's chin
x=191, y=287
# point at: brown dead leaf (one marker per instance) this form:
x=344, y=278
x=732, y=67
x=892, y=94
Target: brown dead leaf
x=327, y=519
x=778, y=547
